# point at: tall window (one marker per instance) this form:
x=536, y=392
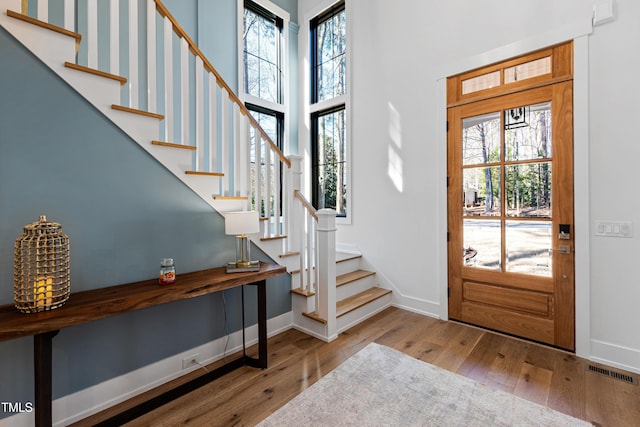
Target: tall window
x=328, y=117
x=262, y=39
x=263, y=73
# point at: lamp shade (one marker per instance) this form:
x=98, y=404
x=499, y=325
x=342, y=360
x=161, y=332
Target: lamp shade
x=243, y=222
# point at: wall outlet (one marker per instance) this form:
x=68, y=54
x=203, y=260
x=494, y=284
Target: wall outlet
x=190, y=361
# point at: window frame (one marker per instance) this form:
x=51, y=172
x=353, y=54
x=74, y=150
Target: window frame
x=316, y=109
x=254, y=103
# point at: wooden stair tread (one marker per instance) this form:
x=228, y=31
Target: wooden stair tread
x=303, y=292
x=230, y=198
x=351, y=303
x=289, y=254
x=356, y=301
x=135, y=111
x=42, y=24
x=346, y=257
x=273, y=237
x=201, y=173
x=352, y=277
x=314, y=316
x=174, y=145
x=93, y=71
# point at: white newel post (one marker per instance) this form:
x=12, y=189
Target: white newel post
x=326, y=247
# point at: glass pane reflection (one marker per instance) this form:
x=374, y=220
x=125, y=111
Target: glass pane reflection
x=528, y=190
x=533, y=139
x=528, y=245
x=481, y=240
x=481, y=189
x=481, y=139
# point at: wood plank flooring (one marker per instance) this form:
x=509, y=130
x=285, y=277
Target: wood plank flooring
x=540, y=374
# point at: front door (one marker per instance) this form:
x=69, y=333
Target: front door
x=510, y=199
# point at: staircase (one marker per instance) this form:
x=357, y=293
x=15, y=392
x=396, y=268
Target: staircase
x=357, y=297
x=226, y=158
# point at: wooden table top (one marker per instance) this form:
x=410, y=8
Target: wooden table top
x=86, y=306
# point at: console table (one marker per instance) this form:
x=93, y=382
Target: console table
x=86, y=306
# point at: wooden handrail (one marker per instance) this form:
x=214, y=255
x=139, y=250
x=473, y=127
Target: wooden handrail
x=164, y=12
x=308, y=206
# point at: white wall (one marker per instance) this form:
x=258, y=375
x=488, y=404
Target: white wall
x=400, y=51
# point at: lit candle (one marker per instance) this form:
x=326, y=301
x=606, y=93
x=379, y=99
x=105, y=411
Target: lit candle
x=43, y=292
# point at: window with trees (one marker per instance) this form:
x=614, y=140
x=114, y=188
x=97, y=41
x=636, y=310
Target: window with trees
x=328, y=110
x=263, y=73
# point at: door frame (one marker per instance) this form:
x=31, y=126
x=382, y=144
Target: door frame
x=579, y=34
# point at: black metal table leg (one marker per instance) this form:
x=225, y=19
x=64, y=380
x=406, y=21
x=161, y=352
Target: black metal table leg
x=261, y=361
x=42, y=362
x=262, y=324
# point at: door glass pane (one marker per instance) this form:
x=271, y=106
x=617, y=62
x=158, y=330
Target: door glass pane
x=485, y=81
x=482, y=243
x=528, y=190
x=481, y=139
x=527, y=70
x=528, y=245
x=528, y=132
x=481, y=189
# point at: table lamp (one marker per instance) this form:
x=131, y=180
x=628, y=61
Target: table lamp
x=241, y=224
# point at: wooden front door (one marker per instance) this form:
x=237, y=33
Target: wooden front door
x=510, y=197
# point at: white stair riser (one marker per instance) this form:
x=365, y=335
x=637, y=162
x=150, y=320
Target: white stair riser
x=355, y=287
x=51, y=47
x=301, y=304
x=359, y=315
x=344, y=267
x=100, y=91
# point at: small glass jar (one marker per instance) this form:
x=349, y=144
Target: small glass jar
x=167, y=271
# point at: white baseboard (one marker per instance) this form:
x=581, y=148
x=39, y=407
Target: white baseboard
x=84, y=403
x=616, y=356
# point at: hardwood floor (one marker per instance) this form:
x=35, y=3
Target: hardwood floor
x=540, y=374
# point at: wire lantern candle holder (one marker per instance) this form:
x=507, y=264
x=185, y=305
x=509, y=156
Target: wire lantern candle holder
x=41, y=267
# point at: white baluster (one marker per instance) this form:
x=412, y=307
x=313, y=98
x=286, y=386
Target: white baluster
x=309, y=253
x=267, y=185
x=70, y=15
x=247, y=148
x=184, y=91
x=43, y=10
x=242, y=166
x=92, y=34
x=276, y=192
x=294, y=219
x=237, y=158
x=213, y=117
x=114, y=37
x=132, y=76
x=200, y=95
x=169, y=116
x=152, y=84
x=258, y=170
x=224, y=142
x=301, y=215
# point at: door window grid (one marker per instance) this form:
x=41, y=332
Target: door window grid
x=506, y=178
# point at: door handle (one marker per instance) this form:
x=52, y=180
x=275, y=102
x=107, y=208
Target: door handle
x=563, y=249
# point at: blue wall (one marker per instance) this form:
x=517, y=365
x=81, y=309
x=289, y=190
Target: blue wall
x=123, y=212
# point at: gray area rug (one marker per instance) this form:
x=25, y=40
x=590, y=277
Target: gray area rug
x=380, y=386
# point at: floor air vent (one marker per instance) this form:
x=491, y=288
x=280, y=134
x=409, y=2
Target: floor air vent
x=615, y=375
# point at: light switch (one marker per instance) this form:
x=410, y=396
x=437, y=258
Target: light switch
x=613, y=229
